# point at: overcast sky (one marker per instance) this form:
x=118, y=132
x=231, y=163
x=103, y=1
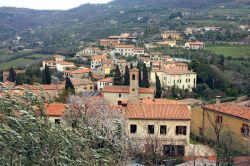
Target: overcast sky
x=48, y=4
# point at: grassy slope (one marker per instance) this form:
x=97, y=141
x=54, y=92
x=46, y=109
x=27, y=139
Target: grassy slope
x=233, y=51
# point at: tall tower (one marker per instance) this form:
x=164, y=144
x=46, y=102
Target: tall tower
x=134, y=86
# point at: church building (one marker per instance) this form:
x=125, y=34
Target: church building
x=122, y=95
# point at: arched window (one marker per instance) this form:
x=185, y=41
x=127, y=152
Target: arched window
x=133, y=77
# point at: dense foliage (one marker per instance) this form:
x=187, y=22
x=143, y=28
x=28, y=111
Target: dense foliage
x=27, y=137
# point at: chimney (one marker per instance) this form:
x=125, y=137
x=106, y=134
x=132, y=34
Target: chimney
x=218, y=99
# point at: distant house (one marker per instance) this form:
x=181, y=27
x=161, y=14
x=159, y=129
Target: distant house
x=212, y=28
x=63, y=65
x=109, y=42
x=83, y=85
x=194, y=45
x=123, y=37
x=171, y=35
x=129, y=50
x=58, y=58
x=167, y=124
x=125, y=50
x=171, y=43
x=97, y=60
x=102, y=83
x=55, y=112
x=89, y=51
x=52, y=63
x=176, y=76
x=156, y=56
x=77, y=74
x=192, y=30
x=138, y=52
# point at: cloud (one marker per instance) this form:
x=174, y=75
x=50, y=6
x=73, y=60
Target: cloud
x=48, y=4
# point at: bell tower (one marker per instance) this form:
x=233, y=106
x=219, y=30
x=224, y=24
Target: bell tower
x=134, y=86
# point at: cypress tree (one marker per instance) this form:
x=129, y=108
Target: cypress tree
x=12, y=75
x=117, y=77
x=138, y=67
x=131, y=66
x=145, y=81
x=69, y=86
x=158, y=86
x=46, y=76
x=126, y=77
x=21, y=79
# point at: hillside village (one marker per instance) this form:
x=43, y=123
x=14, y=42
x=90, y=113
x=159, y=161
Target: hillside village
x=135, y=81
x=157, y=96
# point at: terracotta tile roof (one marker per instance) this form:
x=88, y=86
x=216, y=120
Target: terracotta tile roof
x=231, y=109
x=76, y=82
x=97, y=77
x=44, y=87
x=65, y=63
x=108, y=61
x=160, y=101
x=78, y=71
x=101, y=57
x=108, y=40
x=124, y=89
x=124, y=46
x=121, y=61
x=178, y=71
x=55, y=109
x=108, y=79
x=158, y=111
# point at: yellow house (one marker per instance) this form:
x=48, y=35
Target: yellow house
x=223, y=116
x=171, y=35
x=82, y=85
x=159, y=125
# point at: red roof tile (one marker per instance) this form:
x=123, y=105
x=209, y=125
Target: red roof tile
x=55, y=109
x=178, y=71
x=231, y=109
x=109, y=79
x=124, y=89
x=78, y=71
x=124, y=46
x=158, y=111
x=44, y=87
x=160, y=101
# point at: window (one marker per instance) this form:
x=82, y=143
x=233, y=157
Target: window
x=151, y=129
x=119, y=102
x=163, y=129
x=133, y=77
x=181, y=130
x=245, y=130
x=219, y=119
x=57, y=121
x=133, y=90
x=91, y=88
x=120, y=95
x=133, y=128
x=174, y=150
